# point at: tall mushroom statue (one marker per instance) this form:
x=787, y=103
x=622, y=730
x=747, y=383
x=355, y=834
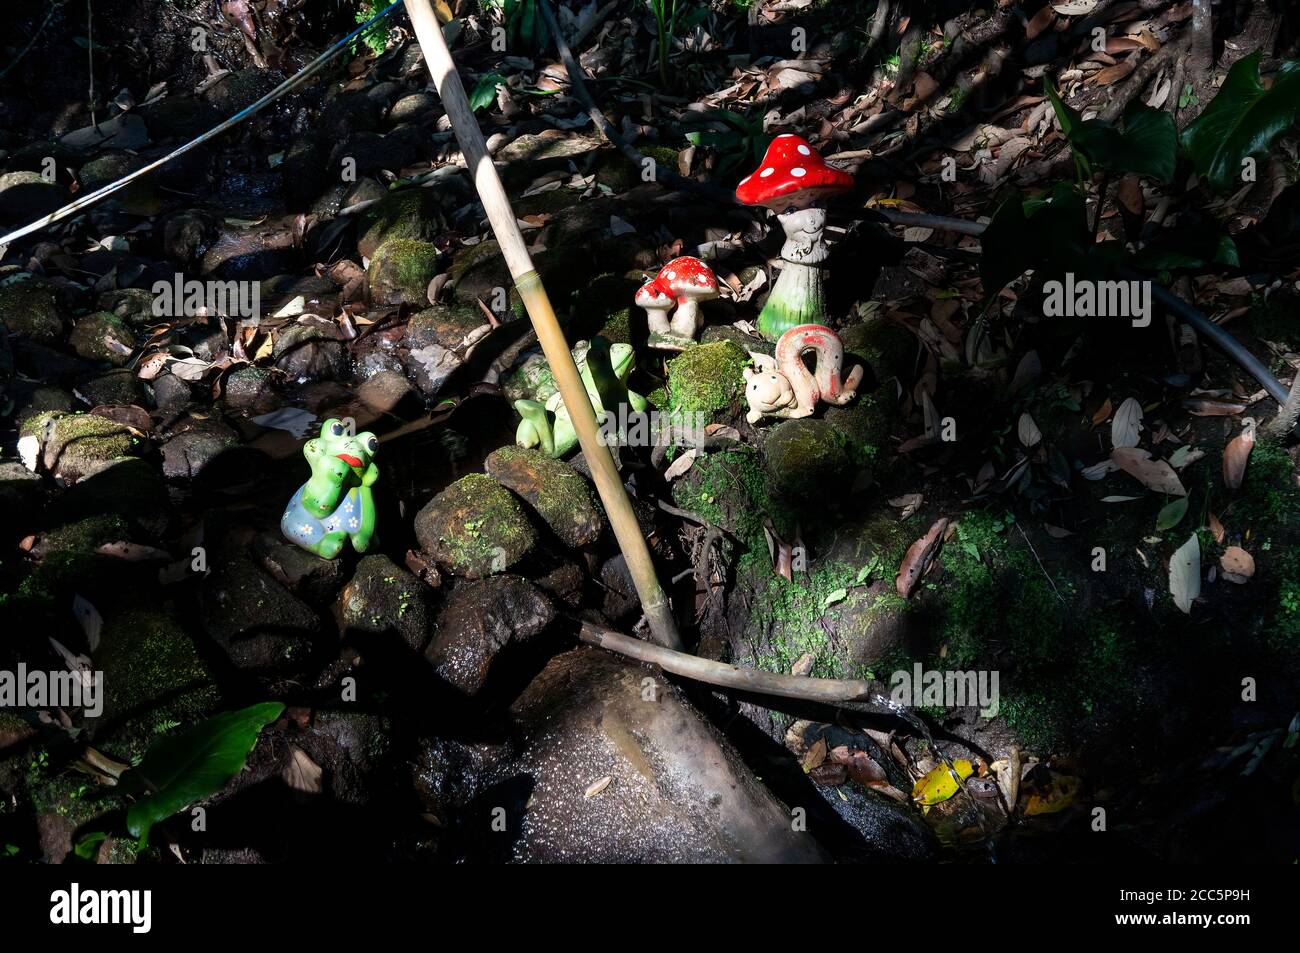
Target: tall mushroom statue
x=793, y=180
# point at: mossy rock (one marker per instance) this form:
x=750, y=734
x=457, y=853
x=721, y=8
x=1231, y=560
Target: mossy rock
x=479, y=270
x=70, y=564
x=407, y=214
x=448, y=326
x=708, y=378
x=604, y=307
x=132, y=305
x=563, y=499
x=806, y=459
x=116, y=386
x=384, y=598
x=475, y=527
x=887, y=346
x=30, y=309
x=107, y=168
x=27, y=195
x=401, y=270
x=824, y=613
x=618, y=173
x=865, y=423
x=74, y=446
x=83, y=536
x=154, y=680
x=129, y=486
x=549, y=145
x=102, y=336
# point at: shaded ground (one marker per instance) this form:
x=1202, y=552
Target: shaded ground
x=437, y=706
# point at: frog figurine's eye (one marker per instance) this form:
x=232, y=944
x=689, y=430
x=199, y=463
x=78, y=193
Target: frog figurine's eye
x=335, y=428
x=372, y=444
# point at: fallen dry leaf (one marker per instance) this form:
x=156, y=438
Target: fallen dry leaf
x=1185, y=574
x=1237, y=454
x=1153, y=474
x=1126, y=426
x=919, y=556
x=597, y=786
x=1216, y=529
x=302, y=773
x=1237, y=565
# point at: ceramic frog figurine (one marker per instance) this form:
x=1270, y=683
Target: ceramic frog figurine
x=604, y=371
x=337, y=503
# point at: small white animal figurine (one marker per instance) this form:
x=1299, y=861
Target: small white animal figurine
x=782, y=386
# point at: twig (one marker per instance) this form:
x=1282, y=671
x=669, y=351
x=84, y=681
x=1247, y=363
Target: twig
x=826, y=691
x=49, y=15
x=1040, y=564
x=90, y=58
x=1139, y=78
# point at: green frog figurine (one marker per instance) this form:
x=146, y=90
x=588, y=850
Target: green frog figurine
x=337, y=503
x=604, y=370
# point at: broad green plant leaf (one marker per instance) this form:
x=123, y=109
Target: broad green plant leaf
x=180, y=769
x=485, y=91
x=1243, y=120
x=1148, y=144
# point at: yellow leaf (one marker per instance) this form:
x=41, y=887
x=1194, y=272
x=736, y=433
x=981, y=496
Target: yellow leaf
x=1058, y=795
x=442, y=11
x=938, y=784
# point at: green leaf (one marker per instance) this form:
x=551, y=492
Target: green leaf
x=180, y=769
x=88, y=846
x=1148, y=145
x=1049, y=234
x=1187, y=247
x=485, y=91
x=1171, y=514
x=839, y=595
x=1242, y=120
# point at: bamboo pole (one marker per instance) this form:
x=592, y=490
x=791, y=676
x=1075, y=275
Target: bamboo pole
x=654, y=602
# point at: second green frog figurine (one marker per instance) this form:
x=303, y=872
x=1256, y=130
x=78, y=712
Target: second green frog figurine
x=336, y=504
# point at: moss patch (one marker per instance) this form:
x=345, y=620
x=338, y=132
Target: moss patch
x=807, y=459
x=475, y=527
x=401, y=270
x=707, y=378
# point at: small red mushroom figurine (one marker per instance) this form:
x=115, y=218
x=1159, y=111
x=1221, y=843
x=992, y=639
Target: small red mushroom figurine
x=685, y=281
x=657, y=303
x=793, y=180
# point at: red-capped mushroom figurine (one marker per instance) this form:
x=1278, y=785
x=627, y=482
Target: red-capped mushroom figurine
x=657, y=303
x=792, y=181
x=684, y=281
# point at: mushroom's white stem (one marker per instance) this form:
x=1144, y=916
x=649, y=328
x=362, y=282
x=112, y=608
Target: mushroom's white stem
x=803, y=236
x=687, y=320
x=657, y=319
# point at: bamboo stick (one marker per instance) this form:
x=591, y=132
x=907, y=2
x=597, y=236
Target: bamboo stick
x=654, y=602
